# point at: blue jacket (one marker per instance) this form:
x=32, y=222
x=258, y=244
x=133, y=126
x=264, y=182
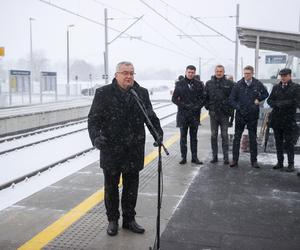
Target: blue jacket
x=242, y=98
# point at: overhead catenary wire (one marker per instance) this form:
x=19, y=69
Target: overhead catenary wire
x=144, y=21
x=78, y=15
x=204, y=24
x=165, y=38
x=177, y=28
x=185, y=15
x=114, y=8
x=172, y=7
x=214, y=30
x=116, y=30
x=207, y=42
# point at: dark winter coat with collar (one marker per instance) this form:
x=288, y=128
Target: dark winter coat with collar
x=189, y=96
x=284, y=101
x=116, y=115
x=217, y=95
x=242, y=98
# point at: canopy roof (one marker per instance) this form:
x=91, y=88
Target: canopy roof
x=280, y=41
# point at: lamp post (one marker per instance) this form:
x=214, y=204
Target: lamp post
x=31, y=60
x=236, y=50
x=68, y=60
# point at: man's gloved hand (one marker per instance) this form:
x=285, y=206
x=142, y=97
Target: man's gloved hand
x=100, y=142
x=160, y=138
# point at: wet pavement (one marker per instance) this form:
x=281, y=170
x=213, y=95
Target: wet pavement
x=240, y=208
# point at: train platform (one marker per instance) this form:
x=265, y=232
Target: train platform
x=240, y=208
x=14, y=120
x=206, y=206
x=22, y=119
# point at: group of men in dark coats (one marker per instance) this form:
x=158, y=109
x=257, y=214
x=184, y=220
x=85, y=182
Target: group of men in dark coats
x=221, y=97
x=116, y=126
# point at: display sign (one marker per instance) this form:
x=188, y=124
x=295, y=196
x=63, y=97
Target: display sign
x=48, y=81
x=276, y=59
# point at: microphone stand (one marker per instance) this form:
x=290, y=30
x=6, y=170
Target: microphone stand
x=159, y=143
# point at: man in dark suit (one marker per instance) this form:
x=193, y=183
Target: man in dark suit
x=245, y=98
x=189, y=97
x=116, y=128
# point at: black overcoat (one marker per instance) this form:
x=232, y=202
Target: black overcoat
x=189, y=97
x=115, y=115
x=284, y=102
x=217, y=95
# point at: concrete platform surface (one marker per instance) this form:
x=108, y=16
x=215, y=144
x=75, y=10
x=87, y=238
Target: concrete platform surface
x=240, y=208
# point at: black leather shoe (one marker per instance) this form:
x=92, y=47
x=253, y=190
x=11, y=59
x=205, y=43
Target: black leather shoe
x=214, y=160
x=196, y=161
x=278, y=166
x=112, y=228
x=134, y=227
x=183, y=161
x=290, y=168
x=298, y=174
x=226, y=162
x=255, y=164
x=233, y=164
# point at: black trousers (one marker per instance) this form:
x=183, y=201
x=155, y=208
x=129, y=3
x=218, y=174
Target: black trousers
x=284, y=140
x=217, y=121
x=129, y=195
x=240, y=124
x=193, y=140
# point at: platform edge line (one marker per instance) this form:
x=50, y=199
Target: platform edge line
x=59, y=226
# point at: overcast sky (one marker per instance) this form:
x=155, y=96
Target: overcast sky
x=87, y=38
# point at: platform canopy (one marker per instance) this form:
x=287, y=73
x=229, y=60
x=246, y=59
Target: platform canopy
x=280, y=41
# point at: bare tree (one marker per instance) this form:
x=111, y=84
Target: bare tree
x=40, y=63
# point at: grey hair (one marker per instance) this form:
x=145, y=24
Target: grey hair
x=220, y=66
x=123, y=63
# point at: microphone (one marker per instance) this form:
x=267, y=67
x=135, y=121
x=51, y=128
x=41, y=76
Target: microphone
x=133, y=92
x=136, y=96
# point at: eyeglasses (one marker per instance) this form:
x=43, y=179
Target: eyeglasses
x=126, y=73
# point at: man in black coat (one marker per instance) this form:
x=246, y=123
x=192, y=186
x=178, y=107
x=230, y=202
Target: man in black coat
x=245, y=97
x=217, y=91
x=189, y=97
x=116, y=128
x=284, y=99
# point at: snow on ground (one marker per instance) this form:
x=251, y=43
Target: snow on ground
x=27, y=160
x=271, y=159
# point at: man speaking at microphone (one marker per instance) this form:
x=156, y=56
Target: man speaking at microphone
x=116, y=128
